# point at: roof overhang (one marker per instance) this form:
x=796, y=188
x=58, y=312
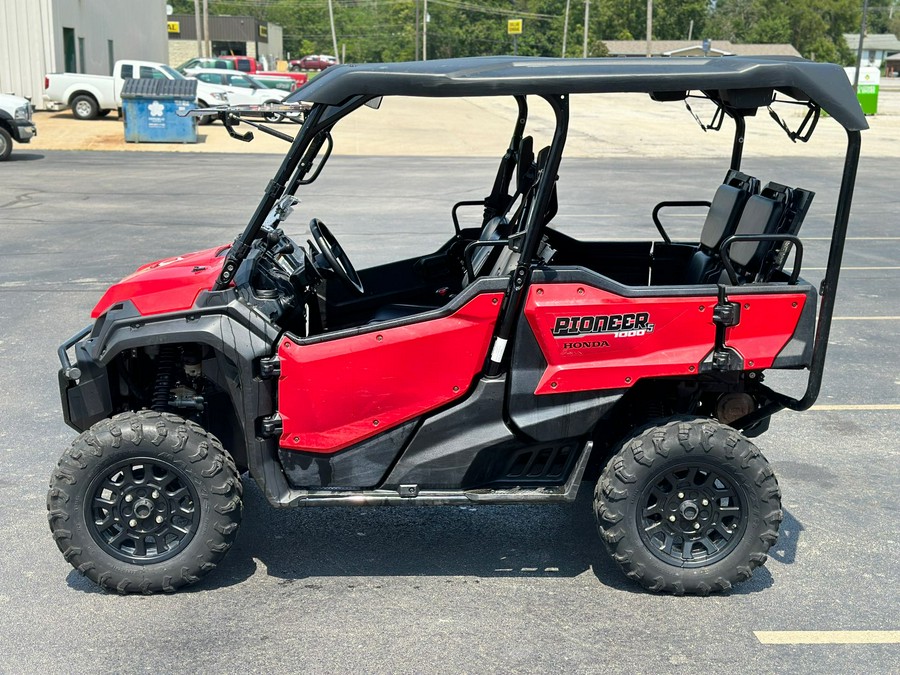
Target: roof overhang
x=823, y=83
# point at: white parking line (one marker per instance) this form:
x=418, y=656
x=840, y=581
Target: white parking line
x=865, y=318
x=856, y=406
x=853, y=239
x=844, y=268
x=827, y=637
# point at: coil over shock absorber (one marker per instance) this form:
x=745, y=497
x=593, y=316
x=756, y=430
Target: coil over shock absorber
x=165, y=376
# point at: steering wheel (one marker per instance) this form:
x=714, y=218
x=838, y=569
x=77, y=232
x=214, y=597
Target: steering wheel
x=334, y=255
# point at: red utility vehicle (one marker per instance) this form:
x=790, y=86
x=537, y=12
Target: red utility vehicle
x=507, y=366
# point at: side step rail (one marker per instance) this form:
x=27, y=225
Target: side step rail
x=410, y=495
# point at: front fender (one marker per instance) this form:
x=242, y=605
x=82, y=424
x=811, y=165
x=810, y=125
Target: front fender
x=237, y=333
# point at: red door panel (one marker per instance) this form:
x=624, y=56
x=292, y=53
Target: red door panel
x=337, y=393
x=767, y=323
x=594, y=339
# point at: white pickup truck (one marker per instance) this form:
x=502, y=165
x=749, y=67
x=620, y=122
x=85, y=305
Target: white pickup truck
x=15, y=123
x=91, y=96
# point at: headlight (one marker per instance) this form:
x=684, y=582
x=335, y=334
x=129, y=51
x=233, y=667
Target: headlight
x=219, y=96
x=23, y=113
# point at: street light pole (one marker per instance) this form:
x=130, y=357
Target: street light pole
x=425, y=30
x=333, y=33
x=566, y=28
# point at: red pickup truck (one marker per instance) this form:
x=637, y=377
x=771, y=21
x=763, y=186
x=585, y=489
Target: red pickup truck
x=248, y=64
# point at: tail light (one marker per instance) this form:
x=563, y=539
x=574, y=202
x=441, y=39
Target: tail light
x=46, y=81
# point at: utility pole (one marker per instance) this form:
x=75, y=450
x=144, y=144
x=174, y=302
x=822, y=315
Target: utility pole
x=587, y=14
x=566, y=29
x=862, y=35
x=206, y=39
x=425, y=31
x=649, y=27
x=197, y=28
x=416, y=26
x=333, y=33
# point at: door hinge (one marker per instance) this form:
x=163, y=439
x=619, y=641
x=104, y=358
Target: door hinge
x=725, y=315
x=269, y=367
x=271, y=427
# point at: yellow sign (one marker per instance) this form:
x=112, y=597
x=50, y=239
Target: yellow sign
x=263, y=31
x=174, y=26
x=514, y=27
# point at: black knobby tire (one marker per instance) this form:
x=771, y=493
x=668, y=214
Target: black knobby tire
x=688, y=506
x=145, y=502
x=84, y=107
x=5, y=144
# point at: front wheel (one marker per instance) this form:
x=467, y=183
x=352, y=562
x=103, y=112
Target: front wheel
x=205, y=119
x=273, y=117
x=144, y=502
x=5, y=144
x=690, y=506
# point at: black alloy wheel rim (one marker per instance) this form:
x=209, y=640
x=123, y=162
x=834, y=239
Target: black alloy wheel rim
x=142, y=510
x=692, y=515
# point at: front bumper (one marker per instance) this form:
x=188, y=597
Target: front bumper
x=24, y=131
x=84, y=385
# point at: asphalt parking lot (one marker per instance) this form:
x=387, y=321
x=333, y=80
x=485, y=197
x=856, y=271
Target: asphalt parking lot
x=475, y=589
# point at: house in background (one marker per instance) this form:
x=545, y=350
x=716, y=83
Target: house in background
x=876, y=48
x=84, y=36
x=694, y=48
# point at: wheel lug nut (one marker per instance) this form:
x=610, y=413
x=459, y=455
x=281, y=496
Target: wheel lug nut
x=132, y=523
x=705, y=502
x=680, y=495
x=159, y=519
x=672, y=518
x=155, y=494
x=696, y=526
x=129, y=498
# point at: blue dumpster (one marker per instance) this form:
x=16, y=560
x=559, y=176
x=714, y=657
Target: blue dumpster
x=151, y=108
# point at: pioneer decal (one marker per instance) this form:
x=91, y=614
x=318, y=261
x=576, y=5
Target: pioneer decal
x=620, y=325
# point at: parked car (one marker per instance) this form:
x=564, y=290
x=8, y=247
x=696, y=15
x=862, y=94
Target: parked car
x=15, y=123
x=202, y=62
x=92, y=96
x=505, y=366
x=241, y=88
x=287, y=84
x=313, y=62
x=248, y=64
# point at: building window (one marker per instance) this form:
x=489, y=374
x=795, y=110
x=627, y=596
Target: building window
x=81, y=66
x=112, y=56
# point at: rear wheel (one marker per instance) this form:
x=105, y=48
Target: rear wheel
x=5, y=144
x=144, y=502
x=690, y=506
x=84, y=107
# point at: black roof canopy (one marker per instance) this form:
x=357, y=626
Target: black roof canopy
x=823, y=83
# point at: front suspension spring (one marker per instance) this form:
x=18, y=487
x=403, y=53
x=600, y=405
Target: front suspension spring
x=165, y=374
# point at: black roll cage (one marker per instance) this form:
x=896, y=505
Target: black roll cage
x=736, y=104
